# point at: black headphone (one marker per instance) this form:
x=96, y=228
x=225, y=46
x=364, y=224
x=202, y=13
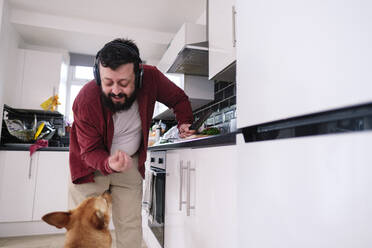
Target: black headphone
x=138, y=73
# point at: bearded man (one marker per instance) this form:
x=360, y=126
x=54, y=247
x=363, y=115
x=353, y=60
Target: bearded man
x=109, y=135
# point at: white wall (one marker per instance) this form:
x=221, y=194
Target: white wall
x=9, y=42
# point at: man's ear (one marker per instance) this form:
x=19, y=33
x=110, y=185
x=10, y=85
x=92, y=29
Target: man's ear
x=57, y=219
x=98, y=219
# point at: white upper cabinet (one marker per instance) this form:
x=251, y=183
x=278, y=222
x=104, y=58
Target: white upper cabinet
x=300, y=57
x=39, y=77
x=221, y=35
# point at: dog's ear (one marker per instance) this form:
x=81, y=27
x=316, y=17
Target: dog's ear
x=98, y=219
x=58, y=219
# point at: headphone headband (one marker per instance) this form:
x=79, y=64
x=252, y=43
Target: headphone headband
x=118, y=44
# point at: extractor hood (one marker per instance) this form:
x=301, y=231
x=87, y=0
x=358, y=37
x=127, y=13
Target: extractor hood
x=188, y=52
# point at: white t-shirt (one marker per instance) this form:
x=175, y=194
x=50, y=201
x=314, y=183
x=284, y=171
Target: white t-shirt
x=127, y=130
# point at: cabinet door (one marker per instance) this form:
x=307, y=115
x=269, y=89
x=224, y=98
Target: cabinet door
x=213, y=224
x=221, y=32
x=17, y=185
x=301, y=57
x=53, y=175
x=306, y=192
x=174, y=235
x=41, y=77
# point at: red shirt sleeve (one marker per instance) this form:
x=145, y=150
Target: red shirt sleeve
x=92, y=149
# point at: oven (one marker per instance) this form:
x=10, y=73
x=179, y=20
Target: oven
x=156, y=209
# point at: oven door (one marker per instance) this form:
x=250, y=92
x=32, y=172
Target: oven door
x=157, y=199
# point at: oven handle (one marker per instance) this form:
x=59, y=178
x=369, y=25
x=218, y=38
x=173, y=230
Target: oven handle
x=155, y=173
x=180, y=202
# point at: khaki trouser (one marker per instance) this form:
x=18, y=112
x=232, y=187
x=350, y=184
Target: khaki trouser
x=126, y=191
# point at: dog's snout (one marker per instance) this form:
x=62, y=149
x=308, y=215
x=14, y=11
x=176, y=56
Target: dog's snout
x=107, y=196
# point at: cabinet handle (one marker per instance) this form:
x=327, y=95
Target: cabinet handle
x=30, y=168
x=180, y=202
x=234, y=26
x=188, y=201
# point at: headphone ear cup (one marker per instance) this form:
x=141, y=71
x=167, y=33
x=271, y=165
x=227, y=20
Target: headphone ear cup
x=140, y=76
x=96, y=75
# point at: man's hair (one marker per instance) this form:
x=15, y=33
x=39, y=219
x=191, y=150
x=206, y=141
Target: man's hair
x=119, y=52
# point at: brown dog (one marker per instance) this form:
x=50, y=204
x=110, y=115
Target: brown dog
x=87, y=225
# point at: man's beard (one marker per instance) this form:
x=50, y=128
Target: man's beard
x=116, y=107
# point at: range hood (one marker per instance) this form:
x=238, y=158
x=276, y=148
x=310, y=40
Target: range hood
x=188, y=52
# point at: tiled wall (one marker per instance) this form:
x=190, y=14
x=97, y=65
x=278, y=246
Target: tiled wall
x=224, y=102
x=224, y=97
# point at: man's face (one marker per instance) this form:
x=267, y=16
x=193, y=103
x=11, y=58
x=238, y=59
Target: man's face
x=118, y=86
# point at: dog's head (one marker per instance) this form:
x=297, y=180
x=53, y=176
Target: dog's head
x=87, y=222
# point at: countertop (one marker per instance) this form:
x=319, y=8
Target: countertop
x=210, y=141
x=215, y=140
x=26, y=147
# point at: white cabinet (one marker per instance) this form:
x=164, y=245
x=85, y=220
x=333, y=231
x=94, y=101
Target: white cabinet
x=51, y=191
x=221, y=34
x=39, y=77
x=214, y=222
x=306, y=192
x=17, y=185
x=200, y=209
x=30, y=188
x=174, y=216
x=300, y=57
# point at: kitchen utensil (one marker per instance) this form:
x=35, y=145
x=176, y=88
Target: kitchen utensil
x=201, y=120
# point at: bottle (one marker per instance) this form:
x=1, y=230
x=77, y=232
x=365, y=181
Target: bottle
x=157, y=132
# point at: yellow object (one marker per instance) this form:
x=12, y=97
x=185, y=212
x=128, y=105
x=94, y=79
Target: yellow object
x=41, y=126
x=51, y=103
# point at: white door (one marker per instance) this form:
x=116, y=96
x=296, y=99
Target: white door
x=300, y=57
x=214, y=220
x=53, y=175
x=17, y=185
x=306, y=192
x=221, y=35
x=175, y=193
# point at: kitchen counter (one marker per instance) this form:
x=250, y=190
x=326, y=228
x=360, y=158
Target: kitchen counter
x=26, y=147
x=211, y=141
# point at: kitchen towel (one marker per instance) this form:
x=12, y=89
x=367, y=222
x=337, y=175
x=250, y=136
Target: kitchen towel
x=37, y=145
x=147, y=196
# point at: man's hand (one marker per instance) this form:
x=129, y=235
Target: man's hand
x=185, y=131
x=120, y=161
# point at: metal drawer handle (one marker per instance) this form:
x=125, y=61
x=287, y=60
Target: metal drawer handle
x=188, y=201
x=234, y=25
x=30, y=168
x=180, y=202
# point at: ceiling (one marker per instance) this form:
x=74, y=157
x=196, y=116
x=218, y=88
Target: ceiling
x=84, y=26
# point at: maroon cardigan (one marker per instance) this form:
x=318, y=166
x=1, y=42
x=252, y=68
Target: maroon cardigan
x=93, y=128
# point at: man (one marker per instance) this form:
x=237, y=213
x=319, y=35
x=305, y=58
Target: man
x=108, y=143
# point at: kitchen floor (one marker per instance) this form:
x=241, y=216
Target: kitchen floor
x=41, y=241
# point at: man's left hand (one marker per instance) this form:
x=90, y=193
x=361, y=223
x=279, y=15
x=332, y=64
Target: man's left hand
x=185, y=131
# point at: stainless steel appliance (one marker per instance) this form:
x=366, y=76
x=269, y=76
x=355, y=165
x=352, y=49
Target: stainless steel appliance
x=156, y=211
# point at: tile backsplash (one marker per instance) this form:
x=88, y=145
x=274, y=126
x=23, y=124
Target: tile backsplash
x=223, y=106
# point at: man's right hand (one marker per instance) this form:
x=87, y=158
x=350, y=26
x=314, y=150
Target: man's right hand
x=120, y=161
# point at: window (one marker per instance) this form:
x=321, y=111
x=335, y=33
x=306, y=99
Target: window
x=78, y=77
